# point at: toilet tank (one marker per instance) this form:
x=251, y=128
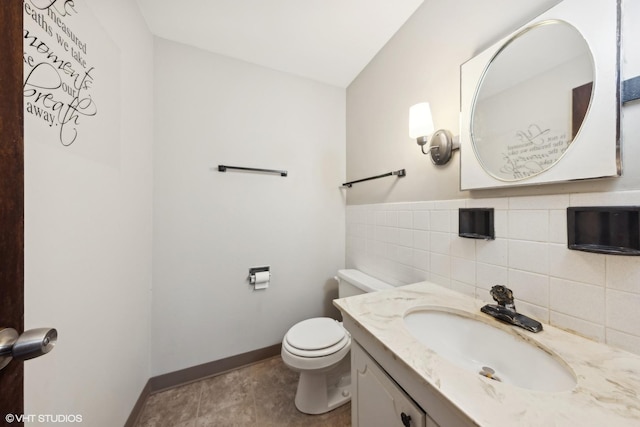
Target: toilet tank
x=355, y=282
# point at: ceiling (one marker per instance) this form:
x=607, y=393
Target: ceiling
x=330, y=41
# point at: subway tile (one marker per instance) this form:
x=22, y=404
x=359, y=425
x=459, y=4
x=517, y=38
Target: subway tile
x=454, y=221
x=350, y=216
x=370, y=231
x=492, y=251
x=462, y=247
x=579, y=266
x=404, y=274
x=391, y=251
x=380, y=233
x=529, y=225
x=440, y=265
x=590, y=330
x=488, y=275
x=623, y=313
x=405, y=237
x=392, y=235
x=483, y=295
x=391, y=219
x=556, y=201
x=463, y=270
x=501, y=223
x=440, y=280
x=421, y=220
x=580, y=300
x=358, y=244
x=449, y=204
x=529, y=256
x=440, y=242
x=624, y=341
x=618, y=198
x=371, y=217
x=535, y=311
x=421, y=240
x=402, y=206
x=623, y=273
x=463, y=288
x=370, y=244
x=495, y=203
x=359, y=230
x=405, y=255
x=422, y=206
x=421, y=259
x=440, y=221
x=530, y=287
x=558, y=226
x=379, y=248
x=348, y=229
x=421, y=275
x=416, y=241
x=405, y=219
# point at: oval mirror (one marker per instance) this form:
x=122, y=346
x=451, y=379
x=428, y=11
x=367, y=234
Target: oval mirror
x=531, y=101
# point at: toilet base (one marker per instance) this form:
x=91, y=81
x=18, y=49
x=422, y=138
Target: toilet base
x=321, y=392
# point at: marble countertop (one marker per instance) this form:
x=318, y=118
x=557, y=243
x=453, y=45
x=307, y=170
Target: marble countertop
x=608, y=380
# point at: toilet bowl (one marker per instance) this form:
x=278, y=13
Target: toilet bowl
x=319, y=349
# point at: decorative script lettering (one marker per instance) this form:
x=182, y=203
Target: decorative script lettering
x=535, y=150
x=58, y=77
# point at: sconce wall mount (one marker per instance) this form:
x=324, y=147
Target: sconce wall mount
x=441, y=144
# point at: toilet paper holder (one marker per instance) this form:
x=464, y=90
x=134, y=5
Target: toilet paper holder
x=254, y=270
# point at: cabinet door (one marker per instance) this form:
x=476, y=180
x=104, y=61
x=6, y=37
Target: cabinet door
x=377, y=401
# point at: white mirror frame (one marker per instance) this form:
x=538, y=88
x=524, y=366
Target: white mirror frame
x=596, y=151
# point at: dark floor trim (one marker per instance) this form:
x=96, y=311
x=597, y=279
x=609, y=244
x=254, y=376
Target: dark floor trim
x=137, y=408
x=195, y=373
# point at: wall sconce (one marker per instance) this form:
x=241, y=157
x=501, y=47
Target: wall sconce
x=442, y=143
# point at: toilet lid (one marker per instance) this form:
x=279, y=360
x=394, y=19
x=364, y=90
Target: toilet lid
x=315, y=334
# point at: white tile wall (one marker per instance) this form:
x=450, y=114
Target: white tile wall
x=594, y=295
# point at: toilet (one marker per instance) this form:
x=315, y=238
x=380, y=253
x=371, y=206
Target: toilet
x=318, y=349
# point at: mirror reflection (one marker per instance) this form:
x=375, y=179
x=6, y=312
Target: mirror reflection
x=532, y=100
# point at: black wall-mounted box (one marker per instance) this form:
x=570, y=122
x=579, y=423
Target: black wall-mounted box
x=476, y=223
x=604, y=229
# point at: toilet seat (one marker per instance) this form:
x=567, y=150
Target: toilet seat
x=317, y=337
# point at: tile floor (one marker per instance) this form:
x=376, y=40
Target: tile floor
x=258, y=395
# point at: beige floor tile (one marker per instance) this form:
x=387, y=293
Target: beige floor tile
x=258, y=395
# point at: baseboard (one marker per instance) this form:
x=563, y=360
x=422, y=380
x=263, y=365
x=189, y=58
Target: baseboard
x=196, y=373
x=137, y=408
x=199, y=372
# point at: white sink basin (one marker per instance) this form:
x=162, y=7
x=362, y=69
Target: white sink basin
x=486, y=350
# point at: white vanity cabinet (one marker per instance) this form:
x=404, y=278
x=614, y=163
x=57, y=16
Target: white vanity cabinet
x=377, y=400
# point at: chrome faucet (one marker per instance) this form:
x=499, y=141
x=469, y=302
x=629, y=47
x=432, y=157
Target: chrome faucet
x=505, y=310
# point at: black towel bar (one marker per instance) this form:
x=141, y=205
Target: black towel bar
x=400, y=173
x=223, y=168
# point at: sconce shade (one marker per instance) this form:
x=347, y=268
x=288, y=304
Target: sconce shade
x=420, y=121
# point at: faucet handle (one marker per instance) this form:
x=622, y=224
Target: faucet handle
x=503, y=296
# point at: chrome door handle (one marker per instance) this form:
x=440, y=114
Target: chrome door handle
x=32, y=343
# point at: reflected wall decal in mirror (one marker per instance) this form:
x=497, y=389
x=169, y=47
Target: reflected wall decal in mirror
x=542, y=105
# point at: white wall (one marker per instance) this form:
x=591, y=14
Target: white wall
x=88, y=247
x=211, y=227
x=422, y=63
